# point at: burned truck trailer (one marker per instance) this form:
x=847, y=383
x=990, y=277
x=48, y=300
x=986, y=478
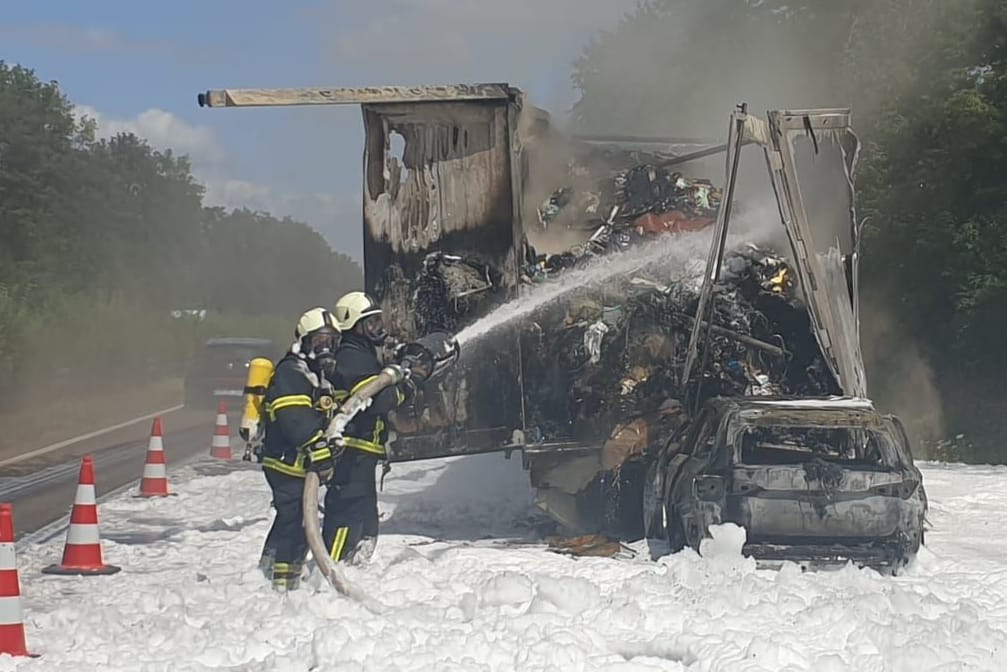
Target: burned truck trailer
x=459, y=184
x=442, y=173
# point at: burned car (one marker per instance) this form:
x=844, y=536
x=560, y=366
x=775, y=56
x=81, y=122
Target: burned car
x=816, y=481
x=610, y=334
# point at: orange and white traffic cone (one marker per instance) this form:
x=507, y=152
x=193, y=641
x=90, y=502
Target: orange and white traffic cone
x=220, y=447
x=155, y=471
x=11, y=617
x=82, y=553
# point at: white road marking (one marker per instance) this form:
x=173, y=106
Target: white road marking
x=85, y=437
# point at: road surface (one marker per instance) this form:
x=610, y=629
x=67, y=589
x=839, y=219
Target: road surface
x=42, y=489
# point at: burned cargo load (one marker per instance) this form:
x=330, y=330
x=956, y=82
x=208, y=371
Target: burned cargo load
x=611, y=352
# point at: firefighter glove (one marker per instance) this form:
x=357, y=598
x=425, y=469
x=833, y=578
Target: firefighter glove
x=321, y=459
x=408, y=389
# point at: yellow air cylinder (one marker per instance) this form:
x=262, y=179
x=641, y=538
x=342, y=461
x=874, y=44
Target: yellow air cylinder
x=260, y=371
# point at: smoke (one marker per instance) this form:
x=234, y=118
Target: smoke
x=680, y=66
x=901, y=380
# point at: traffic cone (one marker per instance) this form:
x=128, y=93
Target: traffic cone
x=11, y=617
x=155, y=475
x=82, y=553
x=220, y=447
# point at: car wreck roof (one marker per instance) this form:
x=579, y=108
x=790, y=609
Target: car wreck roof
x=794, y=403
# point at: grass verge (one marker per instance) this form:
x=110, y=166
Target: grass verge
x=48, y=423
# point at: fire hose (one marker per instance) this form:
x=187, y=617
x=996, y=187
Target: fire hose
x=432, y=354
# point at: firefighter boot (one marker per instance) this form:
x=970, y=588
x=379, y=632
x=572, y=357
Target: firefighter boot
x=266, y=562
x=286, y=576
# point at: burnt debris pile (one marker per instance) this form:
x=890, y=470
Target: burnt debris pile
x=620, y=211
x=448, y=288
x=609, y=355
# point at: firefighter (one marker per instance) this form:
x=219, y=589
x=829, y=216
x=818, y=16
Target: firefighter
x=350, y=529
x=299, y=403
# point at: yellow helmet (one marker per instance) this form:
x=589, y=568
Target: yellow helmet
x=356, y=306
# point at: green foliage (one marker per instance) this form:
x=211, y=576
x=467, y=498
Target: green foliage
x=101, y=240
x=927, y=80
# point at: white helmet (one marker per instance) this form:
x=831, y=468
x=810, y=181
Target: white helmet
x=313, y=320
x=356, y=306
x=317, y=336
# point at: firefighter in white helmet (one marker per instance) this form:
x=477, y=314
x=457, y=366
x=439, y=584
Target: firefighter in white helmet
x=351, y=501
x=299, y=403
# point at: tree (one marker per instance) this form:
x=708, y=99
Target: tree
x=100, y=239
x=39, y=141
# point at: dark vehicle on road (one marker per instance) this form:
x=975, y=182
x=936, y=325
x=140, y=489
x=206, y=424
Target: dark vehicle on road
x=220, y=369
x=816, y=481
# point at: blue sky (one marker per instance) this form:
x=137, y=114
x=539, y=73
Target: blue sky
x=138, y=66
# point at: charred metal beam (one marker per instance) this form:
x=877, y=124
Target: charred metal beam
x=741, y=338
x=354, y=95
x=430, y=446
x=701, y=154
x=561, y=447
x=643, y=139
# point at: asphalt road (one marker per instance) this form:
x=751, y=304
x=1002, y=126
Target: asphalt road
x=42, y=489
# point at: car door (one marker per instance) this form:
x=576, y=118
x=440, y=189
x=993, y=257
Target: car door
x=697, y=449
x=659, y=476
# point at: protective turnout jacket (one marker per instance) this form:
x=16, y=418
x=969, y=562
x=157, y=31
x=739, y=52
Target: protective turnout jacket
x=357, y=364
x=298, y=405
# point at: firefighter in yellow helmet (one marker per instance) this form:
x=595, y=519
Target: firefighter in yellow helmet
x=299, y=403
x=351, y=501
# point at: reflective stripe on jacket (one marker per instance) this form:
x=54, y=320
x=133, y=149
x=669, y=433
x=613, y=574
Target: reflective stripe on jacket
x=357, y=364
x=293, y=415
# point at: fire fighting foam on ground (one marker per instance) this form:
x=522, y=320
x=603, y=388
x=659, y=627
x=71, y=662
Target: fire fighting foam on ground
x=189, y=597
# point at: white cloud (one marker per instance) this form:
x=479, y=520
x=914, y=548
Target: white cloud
x=215, y=169
x=163, y=130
